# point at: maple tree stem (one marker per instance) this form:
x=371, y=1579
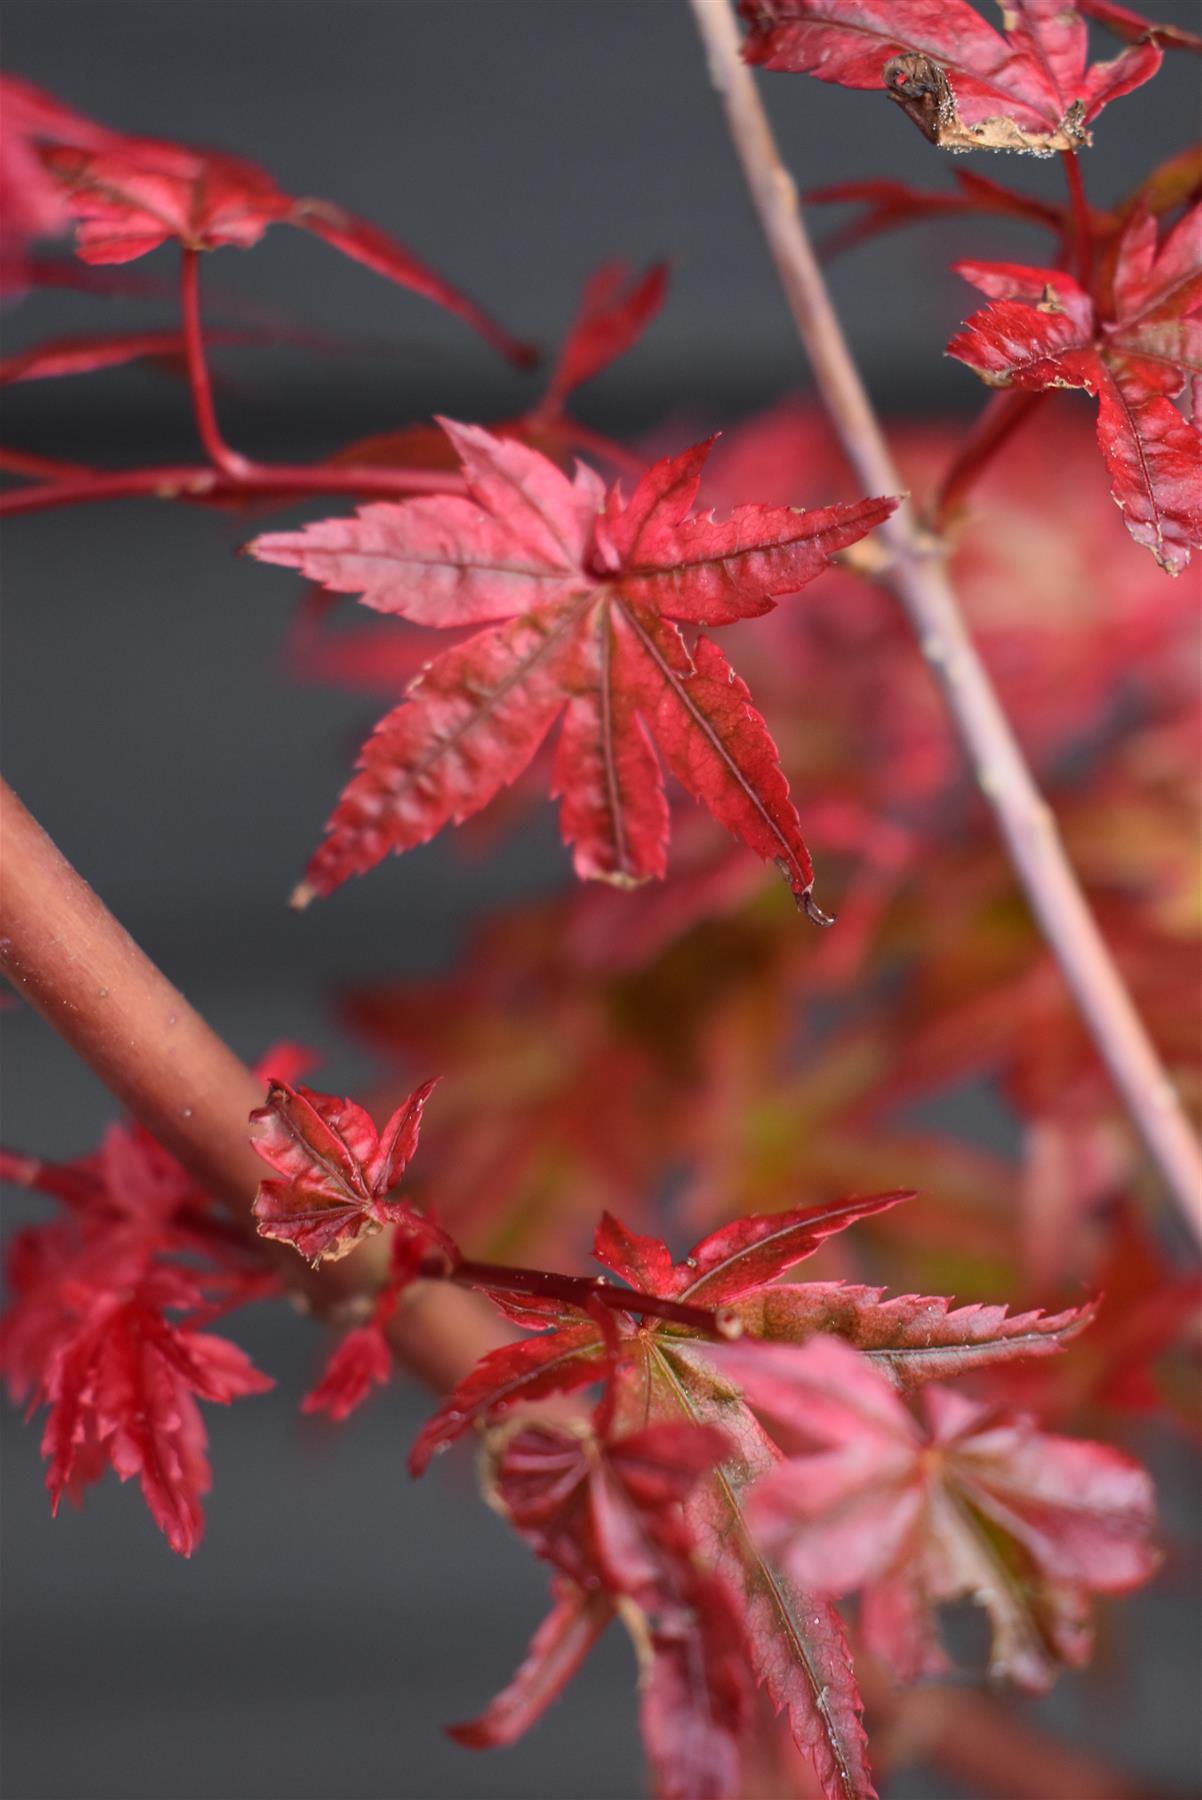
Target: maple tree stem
x=41, y=468
x=191, y=481
x=579, y=1290
x=65, y=953
x=919, y=582
x=1079, y=236
x=1001, y=416
x=201, y=387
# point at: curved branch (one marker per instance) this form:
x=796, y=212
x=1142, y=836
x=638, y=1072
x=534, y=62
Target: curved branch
x=67, y=955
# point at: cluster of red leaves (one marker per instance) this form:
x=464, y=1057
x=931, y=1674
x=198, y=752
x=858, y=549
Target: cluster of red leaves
x=104, y=1325
x=654, y=1511
x=603, y=1045
x=91, y=1330
x=720, y=1543
x=1133, y=344
x=1133, y=340
x=571, y=1494
x=129, y=195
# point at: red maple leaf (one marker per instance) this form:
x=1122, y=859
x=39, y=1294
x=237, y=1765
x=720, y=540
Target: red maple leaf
x=605, y=1511
x=964, y=84
x=980, y=1503
x=587, y=588
x=86, y=1331
x=121, y=1386
x=129, y=195
x=1133, y=344
x=339, y=1171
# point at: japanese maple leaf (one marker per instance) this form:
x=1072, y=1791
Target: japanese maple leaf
x=86, y=1330
x=129, y=195
x=978, y=1503
x=1133, y=345
x=88, y=1337
x=605, y=1511
x=581, y=591
x=339, y=1173
x=964, y=84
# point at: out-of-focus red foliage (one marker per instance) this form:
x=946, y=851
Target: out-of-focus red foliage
x=978, y=1504
x=128, y=195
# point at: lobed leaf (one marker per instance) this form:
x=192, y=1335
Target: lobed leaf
x=912, y=1338
x=581, y=590
x=339, y=1172
x=736, y=1258
x=966, y=85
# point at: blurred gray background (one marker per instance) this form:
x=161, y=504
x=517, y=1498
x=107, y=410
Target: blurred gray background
x=336, y=1614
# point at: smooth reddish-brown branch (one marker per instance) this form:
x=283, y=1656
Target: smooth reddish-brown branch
x=583, y=1291
x=68, y=956
x=920, y=584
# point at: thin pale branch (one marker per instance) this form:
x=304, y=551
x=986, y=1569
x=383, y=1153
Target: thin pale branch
x=921, y=586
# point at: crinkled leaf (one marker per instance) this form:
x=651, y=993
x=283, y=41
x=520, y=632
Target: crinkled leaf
x=966, y=85
x=1133, y=346
x=339, y=1172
